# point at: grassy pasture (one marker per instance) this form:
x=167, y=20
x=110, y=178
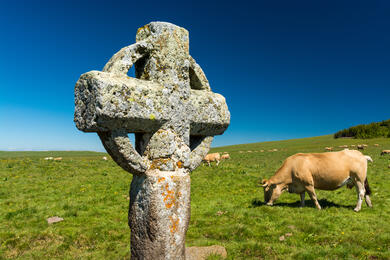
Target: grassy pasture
x=227, y=207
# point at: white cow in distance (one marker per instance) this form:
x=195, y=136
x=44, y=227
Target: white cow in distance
x=212, y=157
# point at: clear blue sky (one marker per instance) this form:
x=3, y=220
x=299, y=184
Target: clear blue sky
x=288, y=69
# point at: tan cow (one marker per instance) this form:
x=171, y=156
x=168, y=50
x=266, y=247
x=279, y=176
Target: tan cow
x=58, y=159
x=225, y=156
x=212, y=157
x=328, y=149
x=360, y=147
x=302, y=173
x=385, y=152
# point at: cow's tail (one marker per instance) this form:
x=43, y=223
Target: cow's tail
x=368, y=158
x=367, y=187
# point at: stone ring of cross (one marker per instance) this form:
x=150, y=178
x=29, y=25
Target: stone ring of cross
x=169, y=105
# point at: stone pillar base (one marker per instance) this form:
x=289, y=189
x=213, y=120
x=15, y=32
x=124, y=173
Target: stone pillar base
x=159, y=214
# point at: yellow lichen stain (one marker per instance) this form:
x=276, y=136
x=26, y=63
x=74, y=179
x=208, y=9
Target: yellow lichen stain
x=169, y=197
x=156, y=163
x=152, y=116
x=146, y=28
x=175, y=224
x=160, y=179
x=179, y=164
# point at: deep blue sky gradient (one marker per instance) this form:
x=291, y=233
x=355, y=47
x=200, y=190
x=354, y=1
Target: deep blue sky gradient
x=288, y=69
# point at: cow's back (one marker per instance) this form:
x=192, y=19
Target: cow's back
x=327, y=171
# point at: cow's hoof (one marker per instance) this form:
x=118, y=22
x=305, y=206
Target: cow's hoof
x=270, y=204
x=356, y=209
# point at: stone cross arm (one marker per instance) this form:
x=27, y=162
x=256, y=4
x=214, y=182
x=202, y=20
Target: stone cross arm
x=107, y=101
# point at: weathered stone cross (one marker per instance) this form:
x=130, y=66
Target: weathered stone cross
x=174, y=115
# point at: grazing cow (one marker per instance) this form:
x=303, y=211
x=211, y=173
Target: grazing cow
x=212, y=157
x=57, y=159
x=343, y=146
x=104, y=158
x=302, y=173
x=328, y=149
x=225, y=156
x=385, y=152
x=360, y=147
x=48, y=158
x=376, y=145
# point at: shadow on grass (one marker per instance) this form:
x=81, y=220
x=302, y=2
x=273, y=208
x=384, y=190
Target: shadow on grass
x=308, y=203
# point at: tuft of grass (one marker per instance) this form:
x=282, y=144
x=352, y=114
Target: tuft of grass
x=226, y=205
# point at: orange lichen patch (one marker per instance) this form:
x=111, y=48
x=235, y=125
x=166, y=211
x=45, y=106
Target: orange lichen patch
x=156, y=163
x=160, y=179
x=179, y=164
x=174, y=225
x=169, y=197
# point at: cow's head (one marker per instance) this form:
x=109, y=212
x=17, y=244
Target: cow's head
x=271, y=192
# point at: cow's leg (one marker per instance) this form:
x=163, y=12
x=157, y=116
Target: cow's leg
x=209, y=163
x=360, y=193
x=367, y=193
x=368, y=200
x=302, y=199
x=218, y=162
x=310, y=190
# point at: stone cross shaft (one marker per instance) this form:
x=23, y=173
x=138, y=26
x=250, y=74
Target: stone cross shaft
x=174, y=115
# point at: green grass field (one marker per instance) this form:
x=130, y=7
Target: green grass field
x=227, y=207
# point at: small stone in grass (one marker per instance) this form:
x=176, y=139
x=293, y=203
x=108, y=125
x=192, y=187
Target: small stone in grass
x=282, y=238
x=219, y=213
x=54, y=220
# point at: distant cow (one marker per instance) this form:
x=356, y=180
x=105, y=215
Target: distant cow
x=376, y=145
x=57, y=159
x=302, y=173
x=104, y=158
x=48, y=158
x=225, y=156
x=212, y=157
x=385, y=152
x=328, y=148
x=360, y=147
x=343, y=146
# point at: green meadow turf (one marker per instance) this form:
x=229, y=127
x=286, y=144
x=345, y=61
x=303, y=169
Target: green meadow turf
x=226, y=207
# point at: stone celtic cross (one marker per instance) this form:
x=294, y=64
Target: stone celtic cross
x=174, y=115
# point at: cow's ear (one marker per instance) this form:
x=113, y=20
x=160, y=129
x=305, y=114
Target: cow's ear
x=264, y=182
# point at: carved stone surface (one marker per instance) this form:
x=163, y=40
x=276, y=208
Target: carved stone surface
x=174, y=115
